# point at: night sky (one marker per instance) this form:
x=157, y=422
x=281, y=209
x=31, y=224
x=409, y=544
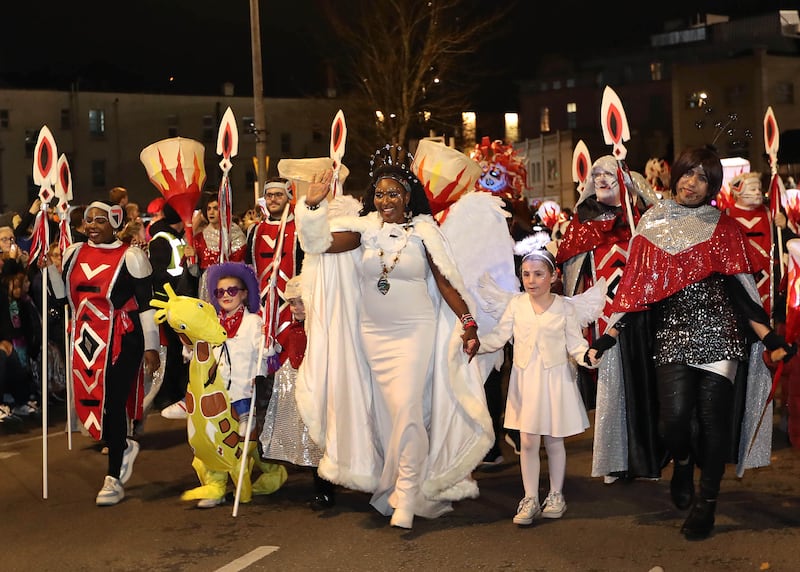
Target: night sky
x=194, y=46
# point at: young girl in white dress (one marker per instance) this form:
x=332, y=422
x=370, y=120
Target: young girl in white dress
x=543, y=397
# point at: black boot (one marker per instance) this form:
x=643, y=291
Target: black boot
x=700, y=522
x=324, y=497
x=681, y=487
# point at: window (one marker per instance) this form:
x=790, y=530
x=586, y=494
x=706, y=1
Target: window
x=697, y=100
x=30, y=142
x=512, y=127
x=172, y=125
x=97, y=122
x=552, y=170
x=286, y=143
x=4, y=120
x=248, y=125
x=66, y=119
x=572, y=115
x=656, y=71
x=784, y=93
x=208, y=129
x=735, y=94
x=544, y=120
x=98, y=173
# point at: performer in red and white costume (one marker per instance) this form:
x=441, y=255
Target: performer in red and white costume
x=271, y=240
x=109, y=289
x=750, y=211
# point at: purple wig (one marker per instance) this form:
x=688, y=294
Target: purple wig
x=238, y=270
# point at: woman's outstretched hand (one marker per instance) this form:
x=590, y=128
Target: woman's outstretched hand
x=318, y=188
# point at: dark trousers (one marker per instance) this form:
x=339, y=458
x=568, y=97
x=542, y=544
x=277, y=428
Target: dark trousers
x=120, y=379
x=687, y=394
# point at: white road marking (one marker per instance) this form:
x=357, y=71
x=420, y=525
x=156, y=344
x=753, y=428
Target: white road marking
x=7, y=455
x=244, y=561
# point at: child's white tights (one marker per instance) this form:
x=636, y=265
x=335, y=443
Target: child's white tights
x=531, y=466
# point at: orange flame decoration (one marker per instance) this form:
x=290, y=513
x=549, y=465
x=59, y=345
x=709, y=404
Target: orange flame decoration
x=170, y=176
x=793, y=208
x=440, y=196
x=549, y=212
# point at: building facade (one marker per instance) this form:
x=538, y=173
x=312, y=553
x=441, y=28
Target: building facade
x=103, y=133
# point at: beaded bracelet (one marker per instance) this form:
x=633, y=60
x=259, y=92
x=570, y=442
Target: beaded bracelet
x=313, y=207
x=467, y=321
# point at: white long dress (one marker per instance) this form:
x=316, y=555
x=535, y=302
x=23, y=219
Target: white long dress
x=397, y=332
x=543, y=395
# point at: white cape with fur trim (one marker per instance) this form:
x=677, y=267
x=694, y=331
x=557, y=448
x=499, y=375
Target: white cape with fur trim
x=335, y=386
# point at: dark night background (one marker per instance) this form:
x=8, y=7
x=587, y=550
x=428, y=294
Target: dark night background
x=194, y=46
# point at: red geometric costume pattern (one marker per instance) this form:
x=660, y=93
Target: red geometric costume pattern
x=757, y=225
x=92, y=330
x=263, y=253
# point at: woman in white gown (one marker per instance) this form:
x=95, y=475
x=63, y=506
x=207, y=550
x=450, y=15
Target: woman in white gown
x=397, y=408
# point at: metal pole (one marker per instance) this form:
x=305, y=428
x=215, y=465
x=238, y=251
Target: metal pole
x=258, y=94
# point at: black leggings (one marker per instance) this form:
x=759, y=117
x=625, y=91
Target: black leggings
x=686, y=393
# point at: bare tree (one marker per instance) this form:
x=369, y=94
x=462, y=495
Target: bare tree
x=412, y=62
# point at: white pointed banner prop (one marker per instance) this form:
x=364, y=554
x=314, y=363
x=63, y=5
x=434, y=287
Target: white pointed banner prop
x=227, y=147
x=615, y=123
x=581, y=164
x=338, y=140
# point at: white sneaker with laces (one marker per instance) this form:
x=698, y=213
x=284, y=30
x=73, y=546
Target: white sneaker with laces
x=111, y=493
x=527, y=510
x=554, y=506
x=175, y=411
x=128, y=457
x=24, y=410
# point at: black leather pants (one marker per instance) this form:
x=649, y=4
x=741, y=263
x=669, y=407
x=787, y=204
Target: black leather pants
x=686, y=393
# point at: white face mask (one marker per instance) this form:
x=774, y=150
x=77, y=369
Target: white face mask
x=606, y=184
x=750, y=195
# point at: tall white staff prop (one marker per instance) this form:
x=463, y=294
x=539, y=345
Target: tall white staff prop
x=44, y=175
x=615, y=131
x=271, y=317
x=227, y=147
x=338, y=140
x=64, y=195
x=777, y=193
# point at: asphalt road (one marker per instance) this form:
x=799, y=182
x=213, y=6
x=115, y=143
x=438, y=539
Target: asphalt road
x=620, y=527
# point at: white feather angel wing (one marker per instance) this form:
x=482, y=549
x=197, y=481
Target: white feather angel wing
x=477, y=231
x=589, y=304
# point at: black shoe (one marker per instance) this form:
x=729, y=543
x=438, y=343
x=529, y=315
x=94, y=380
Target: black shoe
x=322, y=502
x=681, y=487
x=700, y=521
x=493, y=457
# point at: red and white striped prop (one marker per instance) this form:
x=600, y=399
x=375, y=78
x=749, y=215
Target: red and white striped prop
x=615, y=130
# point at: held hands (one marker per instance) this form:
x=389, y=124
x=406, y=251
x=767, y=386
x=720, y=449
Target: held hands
x=318, y=188
x=599, y=347
x=779, y=349
x=151, y=361
x=471, y=344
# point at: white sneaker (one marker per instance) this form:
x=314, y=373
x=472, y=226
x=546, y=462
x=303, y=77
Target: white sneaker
x=527, y=510
x=25, y=410
x=111, y=493
x=175, y=411
x=128, y=457
x=554, y=506
x=5, y=412
x=210, y=503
